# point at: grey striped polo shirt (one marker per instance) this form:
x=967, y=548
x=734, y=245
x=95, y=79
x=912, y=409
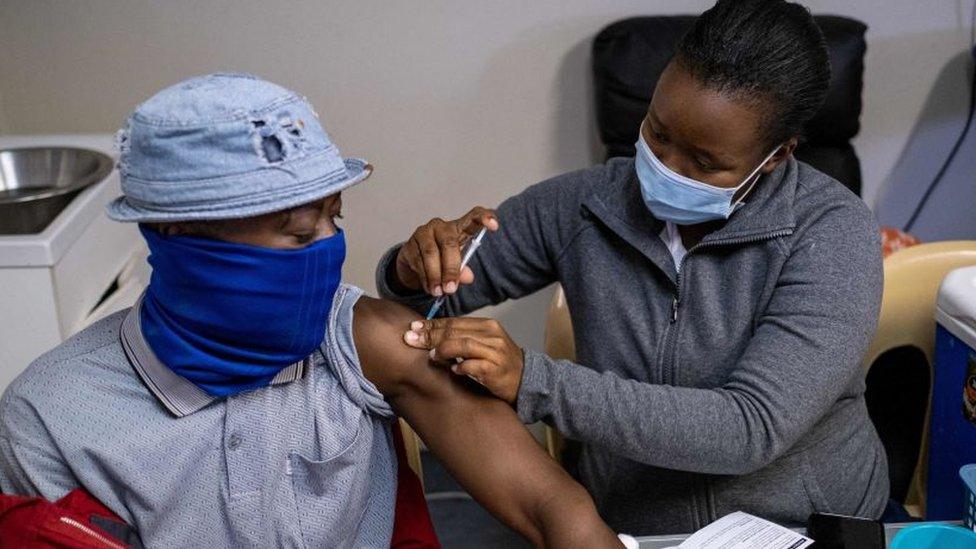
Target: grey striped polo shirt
x=305, y=462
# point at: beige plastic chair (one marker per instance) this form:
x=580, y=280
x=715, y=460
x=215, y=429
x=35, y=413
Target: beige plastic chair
x=411, y=446
x=561, y=346
x=912, y=279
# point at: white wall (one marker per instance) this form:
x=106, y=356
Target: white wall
x=456, y=102
x=4, y=127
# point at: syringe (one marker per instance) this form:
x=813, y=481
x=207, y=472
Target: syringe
x=468, y=254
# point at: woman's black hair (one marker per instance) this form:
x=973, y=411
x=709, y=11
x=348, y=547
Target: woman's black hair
x=768, y=51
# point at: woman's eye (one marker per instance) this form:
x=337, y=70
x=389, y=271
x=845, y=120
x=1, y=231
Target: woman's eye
x=658, y=136
x=304, y=238
x=705, y=165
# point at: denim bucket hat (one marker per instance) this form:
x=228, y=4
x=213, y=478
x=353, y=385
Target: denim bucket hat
x=225, y=146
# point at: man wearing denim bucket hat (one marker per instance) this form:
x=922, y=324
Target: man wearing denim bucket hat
x=240, y=402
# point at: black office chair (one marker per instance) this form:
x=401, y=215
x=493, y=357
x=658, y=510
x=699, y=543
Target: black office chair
x=628, y=58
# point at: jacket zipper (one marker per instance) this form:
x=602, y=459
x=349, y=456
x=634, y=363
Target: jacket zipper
x=667, y=357
x=676, y=302
x=91, y=533
x=668, y=369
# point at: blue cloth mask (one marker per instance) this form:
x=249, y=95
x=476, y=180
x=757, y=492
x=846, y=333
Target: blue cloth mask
x=229, y=317
x=682, y=200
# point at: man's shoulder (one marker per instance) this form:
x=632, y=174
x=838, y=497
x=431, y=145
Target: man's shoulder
x=351, y=338
x=378, y=328
x=67, y=373
x=98, y=340
x=372, y=312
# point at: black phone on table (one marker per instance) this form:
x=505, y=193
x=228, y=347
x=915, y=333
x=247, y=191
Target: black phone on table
x=830, y=531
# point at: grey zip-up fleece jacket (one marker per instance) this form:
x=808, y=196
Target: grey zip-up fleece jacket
x=735, y=385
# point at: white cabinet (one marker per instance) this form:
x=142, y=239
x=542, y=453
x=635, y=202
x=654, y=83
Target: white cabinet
x=81, y=267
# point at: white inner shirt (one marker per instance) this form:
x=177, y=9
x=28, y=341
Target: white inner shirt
x=672, y=239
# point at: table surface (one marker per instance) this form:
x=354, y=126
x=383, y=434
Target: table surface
x=660, y=542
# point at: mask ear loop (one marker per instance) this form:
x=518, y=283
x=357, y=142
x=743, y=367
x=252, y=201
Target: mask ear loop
x=751, y=176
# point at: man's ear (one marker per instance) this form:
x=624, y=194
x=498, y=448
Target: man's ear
x=785, y=151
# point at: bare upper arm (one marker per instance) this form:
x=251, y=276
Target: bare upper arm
x=475, y=435
x=393, y=366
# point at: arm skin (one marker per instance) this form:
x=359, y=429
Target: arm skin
x=476, y=436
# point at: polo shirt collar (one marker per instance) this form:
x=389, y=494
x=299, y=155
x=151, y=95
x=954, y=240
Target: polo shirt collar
x=176, y=393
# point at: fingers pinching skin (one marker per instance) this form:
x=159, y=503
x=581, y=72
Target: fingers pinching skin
x=477, y=347
x=427, y=334
x=463, y=348
x=478, y=370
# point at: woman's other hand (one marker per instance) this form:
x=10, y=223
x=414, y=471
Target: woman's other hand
x=431, y=259
x=487, y=354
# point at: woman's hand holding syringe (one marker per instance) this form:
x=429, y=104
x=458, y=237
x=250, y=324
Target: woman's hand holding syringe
x=431, y=260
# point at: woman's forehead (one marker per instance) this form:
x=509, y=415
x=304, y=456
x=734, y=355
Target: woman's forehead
x=706, y=118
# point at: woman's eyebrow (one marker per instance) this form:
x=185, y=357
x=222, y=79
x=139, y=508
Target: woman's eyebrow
x=714, y=157
x=655, y=119
x=708, y=155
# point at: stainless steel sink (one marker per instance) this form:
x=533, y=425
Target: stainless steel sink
x=36, y=183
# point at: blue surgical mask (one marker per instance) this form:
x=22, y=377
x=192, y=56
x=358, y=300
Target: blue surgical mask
x=682, y=200
x=229, y=317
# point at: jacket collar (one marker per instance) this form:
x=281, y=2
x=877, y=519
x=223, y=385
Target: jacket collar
x=768, y=211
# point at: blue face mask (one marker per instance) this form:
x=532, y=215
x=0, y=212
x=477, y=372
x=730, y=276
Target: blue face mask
x=682, y=200
x=229, y=317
